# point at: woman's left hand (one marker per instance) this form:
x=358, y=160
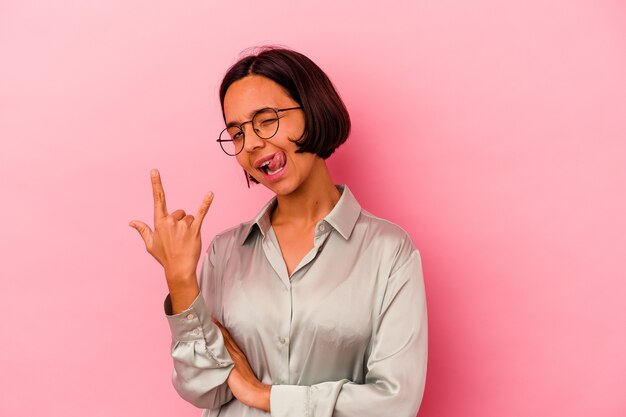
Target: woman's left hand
x=242, y=381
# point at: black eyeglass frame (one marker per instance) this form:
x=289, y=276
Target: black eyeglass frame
x=243, y=145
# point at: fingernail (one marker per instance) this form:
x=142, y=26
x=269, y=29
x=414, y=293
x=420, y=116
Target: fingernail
x=153, y=172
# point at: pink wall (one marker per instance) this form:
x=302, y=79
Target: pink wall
x=491, y=131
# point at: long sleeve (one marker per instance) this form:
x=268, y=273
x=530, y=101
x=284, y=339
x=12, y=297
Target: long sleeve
x=396, y=365
x=201, y=361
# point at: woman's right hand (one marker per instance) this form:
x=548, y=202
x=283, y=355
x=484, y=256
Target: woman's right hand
x=175, y=243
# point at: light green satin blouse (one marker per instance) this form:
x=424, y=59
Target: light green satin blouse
x=344, y=335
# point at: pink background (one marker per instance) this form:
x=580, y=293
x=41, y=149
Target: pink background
x=492, y=131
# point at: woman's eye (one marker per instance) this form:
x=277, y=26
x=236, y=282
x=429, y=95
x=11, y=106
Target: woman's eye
x=237, y=136
x=267, y=122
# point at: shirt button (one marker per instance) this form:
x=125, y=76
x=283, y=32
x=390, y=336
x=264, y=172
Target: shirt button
x=322, y=228
x=196, y=331
x=282, y=340
x=189, y=316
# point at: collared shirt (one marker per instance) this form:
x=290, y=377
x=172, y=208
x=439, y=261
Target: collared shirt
x=345, y=335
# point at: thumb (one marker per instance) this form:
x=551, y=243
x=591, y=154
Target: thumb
x=144, y=230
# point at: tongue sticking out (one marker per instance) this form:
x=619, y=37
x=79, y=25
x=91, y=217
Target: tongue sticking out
x=277, y=161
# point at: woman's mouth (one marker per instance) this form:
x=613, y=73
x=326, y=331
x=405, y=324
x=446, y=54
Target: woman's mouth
x=273, y=168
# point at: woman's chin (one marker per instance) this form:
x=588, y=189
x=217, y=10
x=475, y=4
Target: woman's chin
x=280, y=189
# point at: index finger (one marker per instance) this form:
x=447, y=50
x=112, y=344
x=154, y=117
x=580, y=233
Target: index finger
x=160, y=208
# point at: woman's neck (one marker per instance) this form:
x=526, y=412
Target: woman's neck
x=311, y=202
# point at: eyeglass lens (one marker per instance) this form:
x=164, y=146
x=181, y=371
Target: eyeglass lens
x=264, y=123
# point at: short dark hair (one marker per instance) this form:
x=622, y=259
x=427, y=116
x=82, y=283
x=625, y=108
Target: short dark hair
x=327, y=122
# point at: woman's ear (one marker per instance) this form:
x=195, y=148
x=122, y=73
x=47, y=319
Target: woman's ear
x=249, y=178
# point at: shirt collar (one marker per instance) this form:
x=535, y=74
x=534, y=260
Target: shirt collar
x=342, y=217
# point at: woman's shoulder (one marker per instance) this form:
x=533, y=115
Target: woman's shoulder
x=234, y=235
x=383, y=232
x=382, y=227
x=391, y=243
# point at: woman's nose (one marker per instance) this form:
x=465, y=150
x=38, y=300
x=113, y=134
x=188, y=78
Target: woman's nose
x=252, y=140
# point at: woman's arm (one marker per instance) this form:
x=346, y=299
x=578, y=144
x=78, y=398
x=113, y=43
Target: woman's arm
x=201, y=361
x=396, y=366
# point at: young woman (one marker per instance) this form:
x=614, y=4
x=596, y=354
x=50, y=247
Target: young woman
x=315, y=307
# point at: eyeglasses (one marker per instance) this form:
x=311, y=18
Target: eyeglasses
x=264, y=123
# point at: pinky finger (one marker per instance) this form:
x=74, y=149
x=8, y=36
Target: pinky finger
x=204, y=208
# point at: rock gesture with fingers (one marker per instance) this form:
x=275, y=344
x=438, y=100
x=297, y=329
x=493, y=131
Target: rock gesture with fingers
x=175, y=243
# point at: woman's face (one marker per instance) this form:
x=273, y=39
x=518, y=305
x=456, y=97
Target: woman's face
x=287, y=170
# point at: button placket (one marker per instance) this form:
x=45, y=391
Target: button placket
x=283, y=337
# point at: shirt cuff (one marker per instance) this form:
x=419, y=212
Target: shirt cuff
x=193, y=323
x=290, y=400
